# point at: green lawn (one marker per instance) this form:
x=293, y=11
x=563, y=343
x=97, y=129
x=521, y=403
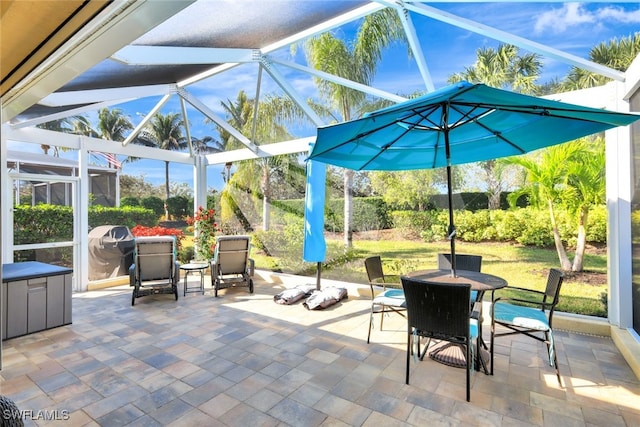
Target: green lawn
x=520, y=266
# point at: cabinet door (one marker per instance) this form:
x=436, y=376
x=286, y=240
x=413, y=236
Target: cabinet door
x=37, y=305
x=55, y=301
x=15, y=319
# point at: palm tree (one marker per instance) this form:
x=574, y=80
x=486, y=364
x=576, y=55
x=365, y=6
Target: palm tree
x=501, y=68
x=165, y=132
x=64, y=125
x=616, y=54
x=546, y=186
x=254, y=176
x=586, y=181
x=112, y=125
x=355, y=61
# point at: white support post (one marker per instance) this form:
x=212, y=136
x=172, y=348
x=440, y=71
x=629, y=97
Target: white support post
x=6, y=218
x=199, y=183
x=81, y=220
x=619, y=256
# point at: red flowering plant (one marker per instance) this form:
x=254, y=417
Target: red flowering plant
x=204, y=228
x=141, y=230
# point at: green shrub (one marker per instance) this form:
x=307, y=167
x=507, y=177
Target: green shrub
x=156, y=204
x=42, y=223
x=179, y=206
x=413, y=223
x=127, y=215
x=130, y=201
x=597, y=225
x=470, y=226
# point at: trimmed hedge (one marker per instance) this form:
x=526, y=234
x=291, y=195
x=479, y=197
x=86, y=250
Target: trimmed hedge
x=51, y=223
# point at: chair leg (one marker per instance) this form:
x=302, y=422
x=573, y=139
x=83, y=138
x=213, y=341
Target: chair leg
x=382, y=316
x=469, y=362
x=409, y=346
x=370, y=324
x=493, y=330
x=551, y=346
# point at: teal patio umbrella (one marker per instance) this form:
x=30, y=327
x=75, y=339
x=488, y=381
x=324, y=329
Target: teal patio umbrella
x=461, y=123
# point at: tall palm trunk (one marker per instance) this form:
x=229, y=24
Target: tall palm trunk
x=348, y=209
x=562, y=253
x=581, y=243
x=166, y=189
x=266, y=199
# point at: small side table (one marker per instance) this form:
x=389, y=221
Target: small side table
x=192, y=268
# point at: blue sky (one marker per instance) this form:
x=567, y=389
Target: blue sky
x=572, y=27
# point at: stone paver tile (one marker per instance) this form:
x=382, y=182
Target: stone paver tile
x=207, y=391
x=559, y=406
x=376, y=419
x=249, y=386
x=171, y=411
x=517, y=410
x=349, y=412
x=386, y=405
x=218, y=405
x=195, y=418
x=243, y=415
x=426, y=417
x=121, y=416
x=554, y=419
x=264, y=400
x=294, y=413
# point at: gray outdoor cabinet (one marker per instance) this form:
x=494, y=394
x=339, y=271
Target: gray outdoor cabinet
x=35, y=296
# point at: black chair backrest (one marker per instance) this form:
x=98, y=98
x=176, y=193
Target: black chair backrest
x=552, y=291
x=373, y=265
x=438, y=309
x=463, y=262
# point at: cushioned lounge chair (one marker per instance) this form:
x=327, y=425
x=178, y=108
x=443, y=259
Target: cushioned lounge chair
x=155, y=269
x=231, y=265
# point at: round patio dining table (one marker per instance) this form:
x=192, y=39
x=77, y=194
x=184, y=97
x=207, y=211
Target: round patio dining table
x=449, y=353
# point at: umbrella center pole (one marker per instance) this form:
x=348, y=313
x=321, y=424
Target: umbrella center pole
x=451, y=232
x=318, y=274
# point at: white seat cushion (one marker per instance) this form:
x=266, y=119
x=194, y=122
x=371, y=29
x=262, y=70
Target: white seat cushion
x=391, y=297
x=525, y=317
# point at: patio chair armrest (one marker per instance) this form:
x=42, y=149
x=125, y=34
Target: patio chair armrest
x=176, y=272
x=520, y=300
x=476, y=311
x=516, y=288
x=252, y=267
x=213, y=264
x=391, y=285
x=132, y=275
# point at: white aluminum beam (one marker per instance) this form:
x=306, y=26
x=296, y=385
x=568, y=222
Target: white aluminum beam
x=180, y=55
x=292, y=93
x=339, y=80
x=505, y=37
x=36, y=136
x=200, y=106
x=294, y=146
x=146, y=119
x=59, y=99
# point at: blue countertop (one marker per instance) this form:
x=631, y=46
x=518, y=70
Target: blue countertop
x=30, y=270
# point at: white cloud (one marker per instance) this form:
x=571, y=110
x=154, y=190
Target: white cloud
x=575, y=14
